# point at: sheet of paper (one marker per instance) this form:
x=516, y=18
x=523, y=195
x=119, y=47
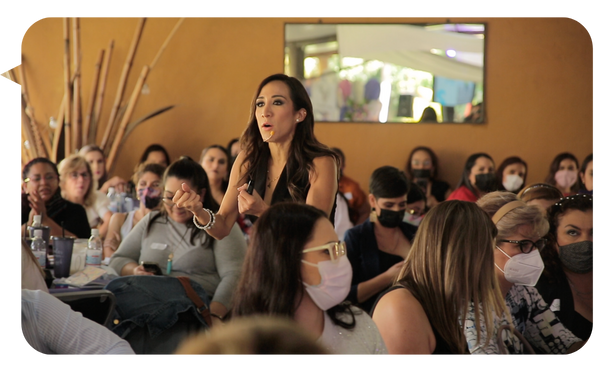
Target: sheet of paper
x=85, y=276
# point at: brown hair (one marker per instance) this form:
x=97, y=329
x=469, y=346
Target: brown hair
x=539, y=191
x=450, y=265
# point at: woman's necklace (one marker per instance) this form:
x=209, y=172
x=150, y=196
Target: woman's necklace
x=171, y=254
x=269, y=180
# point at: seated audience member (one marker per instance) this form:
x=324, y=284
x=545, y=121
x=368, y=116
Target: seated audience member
x=254, y=335
x=77, y=185
x=540, y=194
x=148, y=179
x=566, y=283
x=422, y=169
x=170, y=238
x=357, y=199
x=52, y=327
x=233, y=149
x=215, y=161
x=42, y=196
x=511, y=174
x=449, y=267
x=586, y=175
x=95, y=158
x=518, y=266
x=297, y=268
x=563, y=173
x=153, y=154
x=415, y=205
x=378, y=247
x=32, y=275
x=478, y=178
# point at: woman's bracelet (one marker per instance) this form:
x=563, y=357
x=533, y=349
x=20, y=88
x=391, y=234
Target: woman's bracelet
x=211, y=222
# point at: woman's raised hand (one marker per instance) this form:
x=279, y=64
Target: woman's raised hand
x=37, y=204
x=250, y=204
x=188, y=199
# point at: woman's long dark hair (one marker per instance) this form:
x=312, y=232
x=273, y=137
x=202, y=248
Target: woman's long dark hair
x=154, y=148
x=304, y=148
x=500, y=171
x=187, y=169
x=434, y=162
x=271, y=274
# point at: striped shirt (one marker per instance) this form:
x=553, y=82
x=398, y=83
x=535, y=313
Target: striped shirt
x=50, y=328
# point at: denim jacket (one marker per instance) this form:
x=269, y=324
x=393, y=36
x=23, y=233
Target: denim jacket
x=152, y=301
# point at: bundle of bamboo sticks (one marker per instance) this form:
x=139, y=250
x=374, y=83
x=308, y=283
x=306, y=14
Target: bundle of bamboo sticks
x=73, y=129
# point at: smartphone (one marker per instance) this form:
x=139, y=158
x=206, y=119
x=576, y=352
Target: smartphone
x=152, y=267
x=250, y=186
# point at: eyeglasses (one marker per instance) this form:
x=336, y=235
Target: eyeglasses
x=74, y=175
x=335, y=249
x=37, y=179
x=526, y=246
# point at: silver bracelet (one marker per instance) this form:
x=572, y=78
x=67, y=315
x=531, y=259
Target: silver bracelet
x=211, y=222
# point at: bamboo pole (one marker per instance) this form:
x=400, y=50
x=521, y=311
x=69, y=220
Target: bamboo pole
x=123, y=81
x=67, y=86
x=25, y=155
x=25, y=124
x=131, y=105
x=42, y=145
x=85, y=131
x=58, y=131
x=76, y=118
x=99, y=101
x=164, y=45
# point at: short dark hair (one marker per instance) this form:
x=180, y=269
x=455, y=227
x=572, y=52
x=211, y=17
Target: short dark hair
x=38, y=160
x=388, y=182
x=415, y=194
x=154, y=148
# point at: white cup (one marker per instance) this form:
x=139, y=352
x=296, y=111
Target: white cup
x=78, y=258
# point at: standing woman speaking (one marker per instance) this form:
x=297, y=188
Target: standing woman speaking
x=280, y=156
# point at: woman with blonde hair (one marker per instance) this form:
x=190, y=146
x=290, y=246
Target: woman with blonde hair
x=518, y=266
x=448, y=269
x=77, y=185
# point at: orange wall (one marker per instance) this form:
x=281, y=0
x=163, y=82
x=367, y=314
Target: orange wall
x=538, y=90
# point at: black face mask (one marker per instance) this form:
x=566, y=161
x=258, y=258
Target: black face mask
x=577, y=257
x=389, y=218
x=486, y=182
x=424, y=174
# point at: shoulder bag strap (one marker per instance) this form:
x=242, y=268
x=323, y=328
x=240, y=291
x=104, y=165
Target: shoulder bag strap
x=200, y=306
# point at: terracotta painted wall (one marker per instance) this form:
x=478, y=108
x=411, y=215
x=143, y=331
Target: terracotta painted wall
x=538, y=90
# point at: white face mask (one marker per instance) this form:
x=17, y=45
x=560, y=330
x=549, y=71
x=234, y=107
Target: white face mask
x=523, y=269
x=512, y=182
x=336, y=279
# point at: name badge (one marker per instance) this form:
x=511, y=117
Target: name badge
x=158, y=246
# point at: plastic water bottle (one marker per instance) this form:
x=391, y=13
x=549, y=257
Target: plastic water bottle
x=93, y=256
x=38, y=246
x=112, y=197
x=37, y=224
